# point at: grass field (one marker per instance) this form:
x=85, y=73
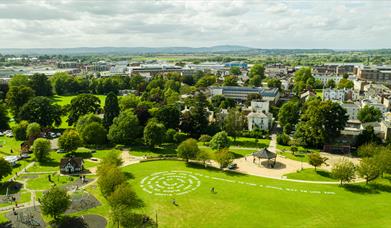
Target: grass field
x=312, y=175
x=248, y=201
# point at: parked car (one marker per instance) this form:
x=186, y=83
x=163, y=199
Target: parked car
x=232, y=166
x=60, y=151
x=24, y=155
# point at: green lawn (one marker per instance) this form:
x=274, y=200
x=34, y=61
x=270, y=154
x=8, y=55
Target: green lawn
x=42, y=182
x=248, y=201
x=312, y=175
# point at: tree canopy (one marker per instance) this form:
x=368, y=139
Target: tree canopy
x=369, y=114
x=42, y=111
x=82, y=105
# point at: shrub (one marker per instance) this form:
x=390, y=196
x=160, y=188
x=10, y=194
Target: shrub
x=169, y=137
x=180, y=137
x=205, y=138
x=283, y=139
x=220, y=141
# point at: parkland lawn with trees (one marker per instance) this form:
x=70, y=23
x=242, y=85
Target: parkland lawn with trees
x=155, y=123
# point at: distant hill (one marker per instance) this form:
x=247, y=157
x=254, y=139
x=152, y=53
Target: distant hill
x=125, y=50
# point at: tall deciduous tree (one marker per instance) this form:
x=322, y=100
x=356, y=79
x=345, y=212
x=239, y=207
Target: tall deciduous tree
x=17, y=96
x=125, y=128
x=288, y=115
x=82, y=105
x=169, y=115
x=220, y=141
x=42, y=111
x=111, y=109
x=234, y=123
x=369, y=114
x=33, y=131
x=368, y=169
x=41, y=85
x=55, y=202
x=41, y=149
x=223, y=157
x=94, y=134
x=4, y=119
x=303, y=80
x=153, y=133
x=110, y=179
x=70, y=140
x=5, y=168
x=188, y=149
x=321, y=121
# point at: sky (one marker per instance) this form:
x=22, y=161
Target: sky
x=195, y=23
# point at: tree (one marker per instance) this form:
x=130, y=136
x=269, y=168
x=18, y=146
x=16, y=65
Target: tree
x=235, y=70
x=129, y=101
x=142, y=113
x=17, y=96
x=255, y=80
x=321, y=121
x=41, y=85
x=93, y=134
x=203, y=156
x=82, y=105
x=316, y=160
x=55, y=202
x=87, y=119
x=70, y=140
x=19, y=130
x=234, y=123
x=111, y=109
x=169, y=115
x=274, y=83
x=123, y=195
x=19, y=80
x=125, y=128
x=113, y=157
x=33, y=131
x=283, y=139
x=153, y=133
x=41, y=149
x=230, y=80
x=257, y=69
x=345, y=83
x=343, y=170
x=289, y=115
x=5, y=168
x=42, y=111
x=110, y=179
x=367, y=136
x=224, y=157
x=330, y=84
x=4, y=119
x=220, y=141
x=369, y=114
x=368, y=169
x=367, y=150
x=383, y=160
x=188, y=149
x=303, y=79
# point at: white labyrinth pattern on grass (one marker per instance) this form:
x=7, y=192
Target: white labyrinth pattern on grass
x=266, y=186
x=170, y=183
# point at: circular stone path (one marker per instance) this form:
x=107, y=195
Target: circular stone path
x=170, y=183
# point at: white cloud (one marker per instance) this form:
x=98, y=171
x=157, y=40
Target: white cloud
x=264, y=24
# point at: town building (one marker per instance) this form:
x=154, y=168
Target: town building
x=241, y=93
x=340, y=95
x=374, y=73
x=351, y=110
x=259, y=120
x=71, y=165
